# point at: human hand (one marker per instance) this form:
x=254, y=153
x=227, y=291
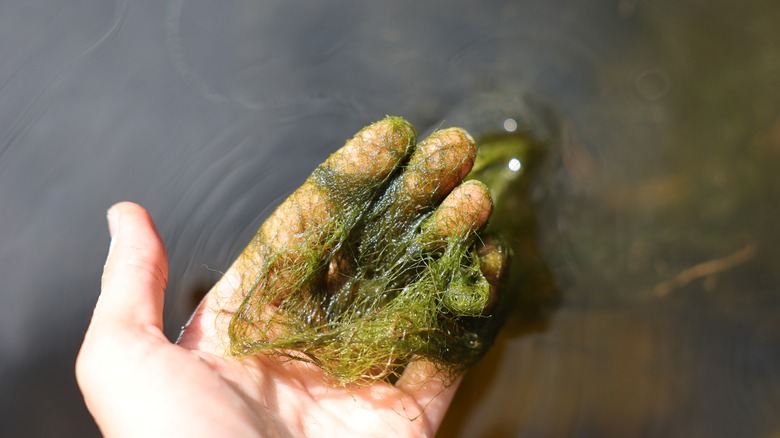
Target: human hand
x=136, y=383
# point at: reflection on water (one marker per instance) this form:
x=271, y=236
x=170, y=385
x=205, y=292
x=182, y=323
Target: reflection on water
x=657, y=207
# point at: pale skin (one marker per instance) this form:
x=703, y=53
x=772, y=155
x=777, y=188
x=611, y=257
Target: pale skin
x=136, y=382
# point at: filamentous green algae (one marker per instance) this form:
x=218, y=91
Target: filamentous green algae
x=379, y=259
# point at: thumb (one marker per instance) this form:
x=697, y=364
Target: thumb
x=134, y=277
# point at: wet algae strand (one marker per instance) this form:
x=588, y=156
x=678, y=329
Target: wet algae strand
x=381, y=263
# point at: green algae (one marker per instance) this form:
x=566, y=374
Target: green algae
x=374, y=287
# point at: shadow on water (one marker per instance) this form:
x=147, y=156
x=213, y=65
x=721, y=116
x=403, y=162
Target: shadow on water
x=655, y=210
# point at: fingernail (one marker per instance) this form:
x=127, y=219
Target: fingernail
x=113, y=221
x=113, y=227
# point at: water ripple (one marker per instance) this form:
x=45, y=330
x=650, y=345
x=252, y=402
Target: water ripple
x=44, y=98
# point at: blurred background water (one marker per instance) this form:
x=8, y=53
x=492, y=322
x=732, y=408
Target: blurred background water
x=658, y=209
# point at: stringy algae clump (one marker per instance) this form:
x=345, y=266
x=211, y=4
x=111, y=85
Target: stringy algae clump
x=376, y=261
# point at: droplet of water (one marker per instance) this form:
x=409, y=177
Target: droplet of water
x=472, y=341
x=510, y=125
x=652, y=84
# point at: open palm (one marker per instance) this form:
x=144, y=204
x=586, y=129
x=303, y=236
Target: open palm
x=137, y=383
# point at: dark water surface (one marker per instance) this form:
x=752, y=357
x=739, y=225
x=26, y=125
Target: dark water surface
x=658, y=208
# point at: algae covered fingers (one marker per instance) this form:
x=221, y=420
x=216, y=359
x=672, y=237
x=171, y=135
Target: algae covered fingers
x=375, y=261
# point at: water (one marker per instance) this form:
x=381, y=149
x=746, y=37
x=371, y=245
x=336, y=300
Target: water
x=657, y=210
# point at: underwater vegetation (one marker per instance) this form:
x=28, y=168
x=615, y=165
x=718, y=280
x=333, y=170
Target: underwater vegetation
x=387, y=260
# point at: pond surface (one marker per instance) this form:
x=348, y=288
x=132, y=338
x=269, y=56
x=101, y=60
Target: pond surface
x=656, y=206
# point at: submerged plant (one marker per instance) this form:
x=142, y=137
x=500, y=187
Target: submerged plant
x=383, y=262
